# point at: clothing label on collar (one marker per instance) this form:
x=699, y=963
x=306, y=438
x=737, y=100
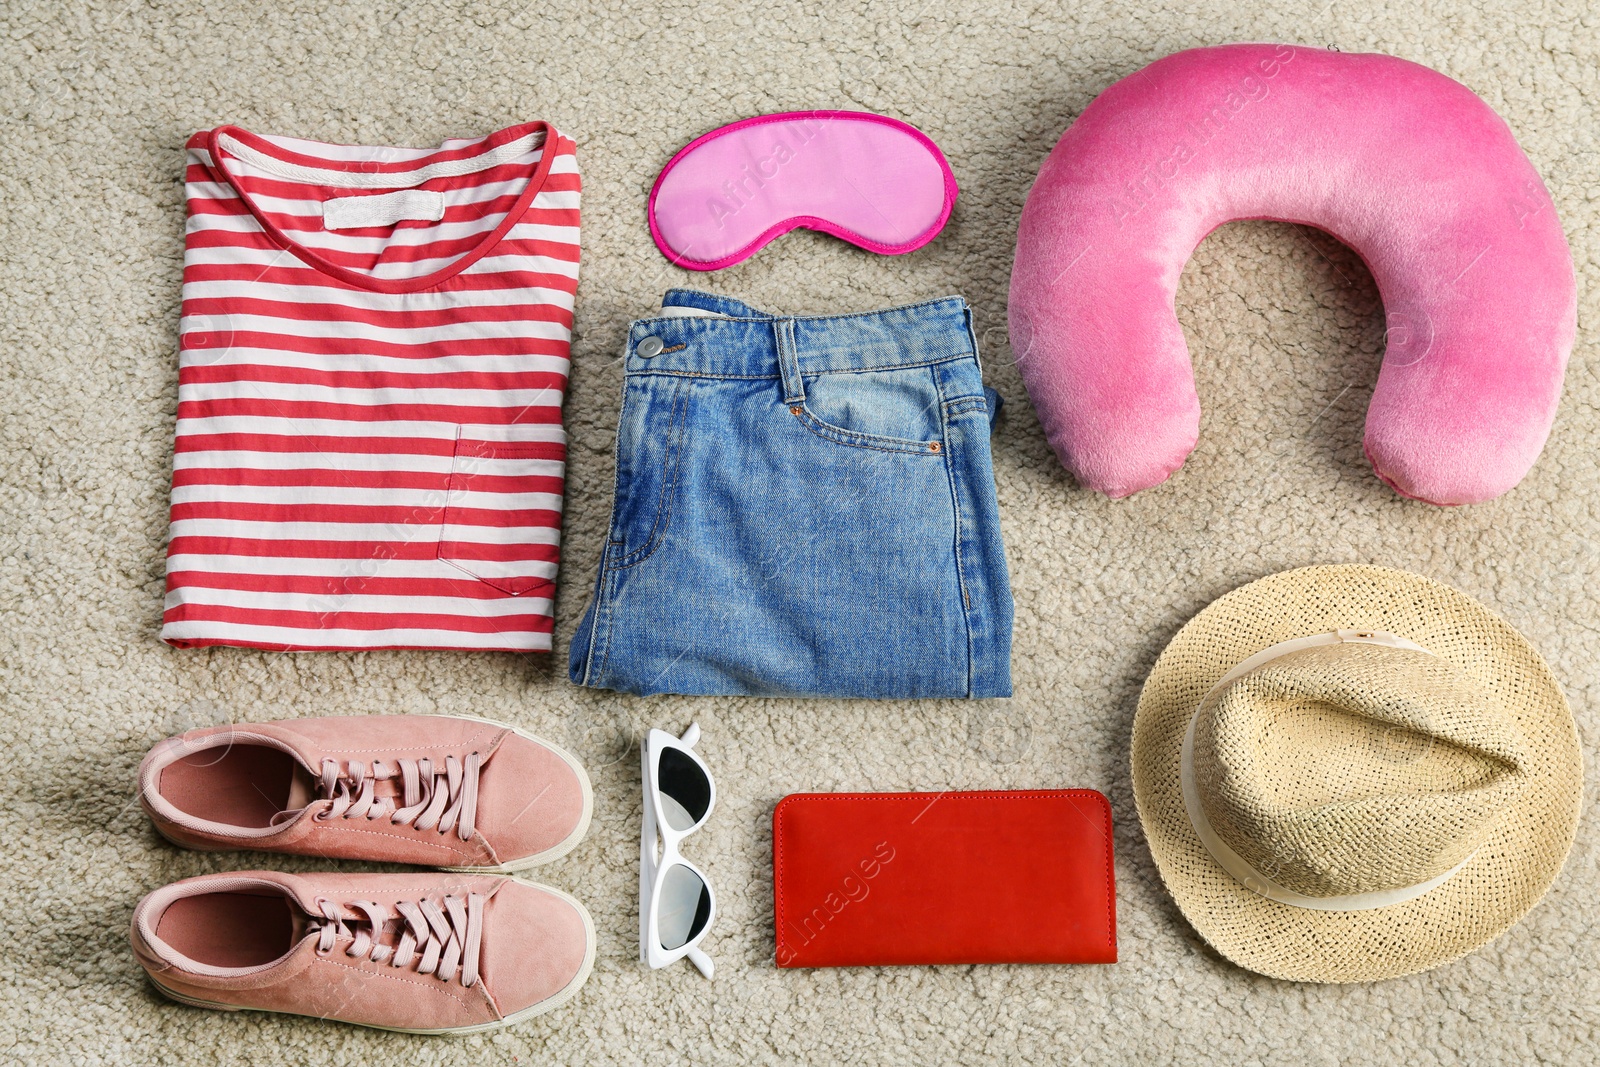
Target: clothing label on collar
x=385, y=209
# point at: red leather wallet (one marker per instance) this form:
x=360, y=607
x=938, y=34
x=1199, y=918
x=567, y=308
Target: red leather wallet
x=908, y=878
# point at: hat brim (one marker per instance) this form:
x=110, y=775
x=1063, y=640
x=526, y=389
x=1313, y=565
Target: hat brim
x=1498, y=885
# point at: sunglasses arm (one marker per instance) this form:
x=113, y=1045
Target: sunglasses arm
x=647, y=865
x=701, y=961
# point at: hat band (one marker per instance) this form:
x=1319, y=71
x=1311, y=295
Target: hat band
x=1235, y=864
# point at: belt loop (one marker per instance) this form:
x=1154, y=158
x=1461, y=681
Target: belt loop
x=794, y=389
x=972, y=334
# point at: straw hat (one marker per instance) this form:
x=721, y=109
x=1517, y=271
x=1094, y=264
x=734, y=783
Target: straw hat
x=1351, y=773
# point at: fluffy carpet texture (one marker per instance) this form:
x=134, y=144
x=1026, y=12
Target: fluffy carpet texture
x=95, y=104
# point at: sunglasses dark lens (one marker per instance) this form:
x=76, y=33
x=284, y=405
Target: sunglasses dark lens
x=685, y=789
x=685, y=907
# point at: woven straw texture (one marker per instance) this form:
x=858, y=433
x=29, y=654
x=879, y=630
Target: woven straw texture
x=1508, y=731
x=1355, y=768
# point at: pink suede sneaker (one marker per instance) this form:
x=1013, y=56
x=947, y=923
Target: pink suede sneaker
x=453, y=792
x=419, y=953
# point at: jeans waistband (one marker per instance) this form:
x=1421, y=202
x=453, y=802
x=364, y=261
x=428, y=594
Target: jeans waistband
x=723, y=338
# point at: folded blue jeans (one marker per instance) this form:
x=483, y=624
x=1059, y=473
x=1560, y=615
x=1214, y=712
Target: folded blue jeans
x=804, y=506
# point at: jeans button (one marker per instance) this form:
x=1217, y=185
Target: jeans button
x=648, y=347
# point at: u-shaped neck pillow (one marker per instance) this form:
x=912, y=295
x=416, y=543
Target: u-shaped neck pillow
x=1407, y=167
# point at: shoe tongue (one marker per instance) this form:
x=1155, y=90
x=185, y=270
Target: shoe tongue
x=299, y=921
x=301, y=789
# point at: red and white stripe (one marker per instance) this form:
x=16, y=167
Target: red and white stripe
x=369, y=449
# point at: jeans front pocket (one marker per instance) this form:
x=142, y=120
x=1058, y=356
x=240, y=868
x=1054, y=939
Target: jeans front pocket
x=888, y=410
x=502, y=515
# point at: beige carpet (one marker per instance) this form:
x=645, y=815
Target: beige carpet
x=95, y=104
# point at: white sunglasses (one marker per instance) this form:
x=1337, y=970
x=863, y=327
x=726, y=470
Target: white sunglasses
x=676, y=904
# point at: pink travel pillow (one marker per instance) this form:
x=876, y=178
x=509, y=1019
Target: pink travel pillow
x=872, y=180
x=1407, y=167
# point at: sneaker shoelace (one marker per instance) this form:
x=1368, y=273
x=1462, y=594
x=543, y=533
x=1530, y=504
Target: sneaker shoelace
x=433, y=794
x=439, y=938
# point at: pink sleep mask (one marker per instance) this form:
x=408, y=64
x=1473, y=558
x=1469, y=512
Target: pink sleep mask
x=869, y=179
x=1407, y=167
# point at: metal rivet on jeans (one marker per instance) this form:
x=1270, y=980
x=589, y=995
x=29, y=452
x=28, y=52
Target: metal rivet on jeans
x=648, y=347
x=933, y=446
x=795, y=410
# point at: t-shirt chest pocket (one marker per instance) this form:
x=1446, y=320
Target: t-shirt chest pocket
x=502, y=515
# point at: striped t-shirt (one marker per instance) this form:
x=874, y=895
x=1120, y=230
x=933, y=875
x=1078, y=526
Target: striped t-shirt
x=373, y=355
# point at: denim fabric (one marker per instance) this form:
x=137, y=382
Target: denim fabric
x=804, y=507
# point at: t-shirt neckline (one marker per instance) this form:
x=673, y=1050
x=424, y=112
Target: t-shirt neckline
x=366, y=174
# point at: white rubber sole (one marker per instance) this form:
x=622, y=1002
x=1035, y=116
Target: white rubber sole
x=572, y=840
x=550, y=1003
